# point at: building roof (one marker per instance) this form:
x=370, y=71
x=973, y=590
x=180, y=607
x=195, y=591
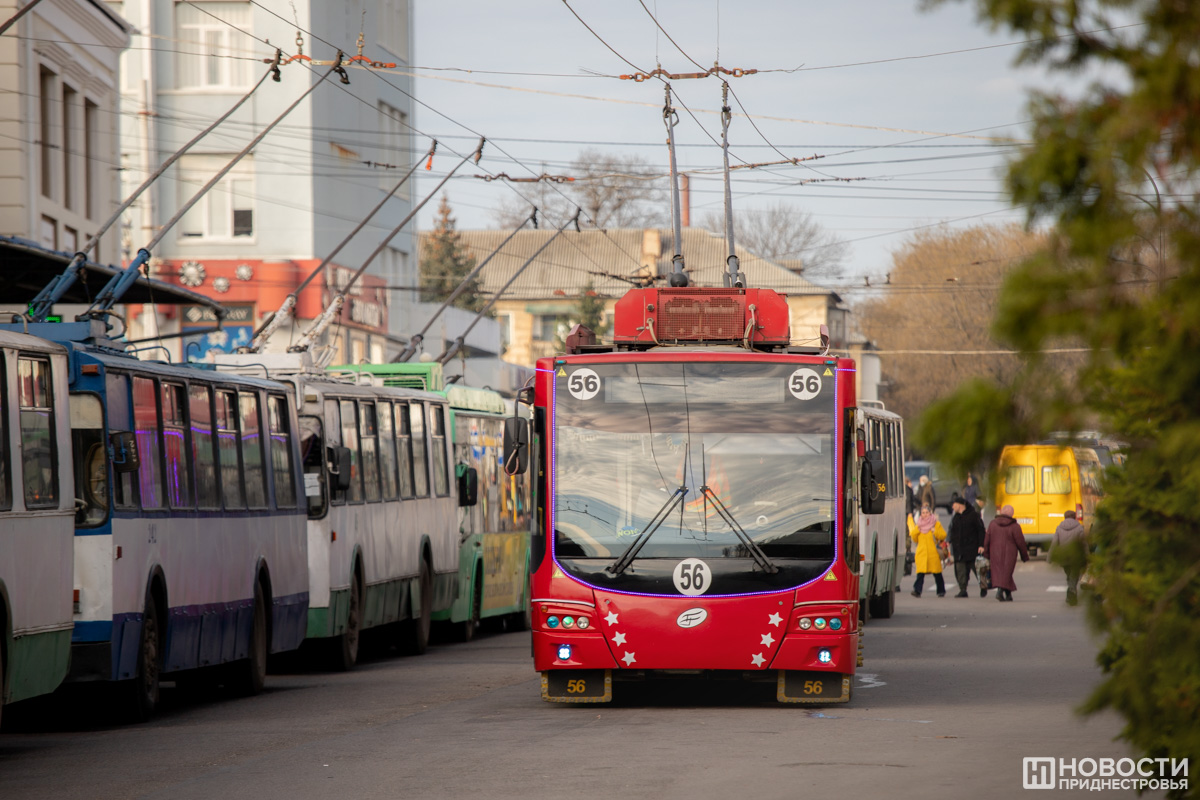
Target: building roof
x=606, y=257
x=28, y=267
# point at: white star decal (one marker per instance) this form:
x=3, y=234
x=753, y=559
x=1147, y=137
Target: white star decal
x=611, y=619
x=775, y=619
x=768, y=639
x=758, y=659
x=618, y=638
x=628, y=659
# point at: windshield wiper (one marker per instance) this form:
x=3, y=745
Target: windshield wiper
x=756, y=552
x=625, y=559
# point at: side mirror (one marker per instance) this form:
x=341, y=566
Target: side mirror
x=525, y=396
x=468, y=486
x=340, y=467
x=873, y=484
x=516, y=445
x=123, y=452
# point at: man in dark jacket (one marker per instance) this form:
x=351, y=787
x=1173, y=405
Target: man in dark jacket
x=966, y=537
x=1068, y=549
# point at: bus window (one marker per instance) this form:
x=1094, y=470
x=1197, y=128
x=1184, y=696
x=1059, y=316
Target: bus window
x=369, y=442
x=1018, y=480
x=350, y=439
x=404, y=450
x=203, y=456
x=175, y=447
x=252, y=454
x=91, y=460
x=227, y=450
x=116, y=392
x=312, y=455
x=5, y=480
x=1056, y=479
x=145, y=426
x=387, y=450
x=37, y=433
x=281, y=453
x=437, y=433
x=416, y=418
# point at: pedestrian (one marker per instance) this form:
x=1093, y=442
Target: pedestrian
x=925, y=493
x=970, y=492
x=908, y=497
x=926, y=531
x=1002, y=543
x=1068, y=549
x=966, y=539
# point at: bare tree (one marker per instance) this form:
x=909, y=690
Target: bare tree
x=940, y=297
x=785, y=234
x=614, y=192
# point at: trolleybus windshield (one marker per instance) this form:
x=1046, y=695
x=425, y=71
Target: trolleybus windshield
x=758, y=437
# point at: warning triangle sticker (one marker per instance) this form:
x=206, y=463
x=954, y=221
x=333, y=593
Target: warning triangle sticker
x=827, y=372
x=562, y=373
x=829, y=576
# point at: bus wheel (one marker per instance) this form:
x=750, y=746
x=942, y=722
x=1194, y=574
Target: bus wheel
x=142, y=692
x=345, y=654
x=883, y=605
x=470, y=625
x=415, y=637
x=250, y=674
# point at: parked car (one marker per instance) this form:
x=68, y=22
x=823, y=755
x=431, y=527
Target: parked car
x=1042, y=481
x=945, y=485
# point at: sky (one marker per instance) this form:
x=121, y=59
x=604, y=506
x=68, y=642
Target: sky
x=878, y=94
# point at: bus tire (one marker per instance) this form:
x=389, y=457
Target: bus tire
x=415, y=636
x=345, y=652
x=884, y=605
x=250, y=674
x=141, y=695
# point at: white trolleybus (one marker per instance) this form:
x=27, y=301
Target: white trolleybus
x=882, y=536
x=492, y=530
x=190, y=545
x=37, y=507
x=381, y=500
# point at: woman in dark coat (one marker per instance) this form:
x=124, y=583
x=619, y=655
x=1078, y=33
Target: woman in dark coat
x=1002, y=544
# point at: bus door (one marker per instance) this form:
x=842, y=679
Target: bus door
x=1058, y=484
x=1018, y=487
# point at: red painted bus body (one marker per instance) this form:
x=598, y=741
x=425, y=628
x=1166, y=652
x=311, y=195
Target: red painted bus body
x=758, y=440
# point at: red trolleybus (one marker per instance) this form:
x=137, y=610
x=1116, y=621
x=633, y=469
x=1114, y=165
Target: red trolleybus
x=699, y=483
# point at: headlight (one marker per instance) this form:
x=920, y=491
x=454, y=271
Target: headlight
x=564, y=652
x=551, y=622
x=819, y=623
x=805, y=623
x=824, y=656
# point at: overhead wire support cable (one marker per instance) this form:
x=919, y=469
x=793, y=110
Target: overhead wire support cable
x=120, y=282
x=263, y=334
x=419, y=337
x=457, y=345
x=318, y=327
x=54, y=291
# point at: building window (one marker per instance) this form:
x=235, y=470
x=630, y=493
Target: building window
x=91, y=114
x=70, y=160
x=48, y=234
x=395, y=149
x=46, y=129
x=504, y=321
x=214, y=54
x=547, y=326
x=224, y=212
x=393, y=27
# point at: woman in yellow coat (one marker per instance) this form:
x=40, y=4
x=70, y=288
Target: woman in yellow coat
x=926, y=531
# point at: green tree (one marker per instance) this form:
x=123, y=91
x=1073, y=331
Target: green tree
x=1115, y=169
x=590, y=311
x=445, y=263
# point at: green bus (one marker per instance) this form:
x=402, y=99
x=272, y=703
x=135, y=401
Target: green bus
x=493, y=564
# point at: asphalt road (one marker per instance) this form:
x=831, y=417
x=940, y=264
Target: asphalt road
x=953, y=694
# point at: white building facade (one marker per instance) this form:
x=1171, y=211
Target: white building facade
x=58, y=123
x=267, y=224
